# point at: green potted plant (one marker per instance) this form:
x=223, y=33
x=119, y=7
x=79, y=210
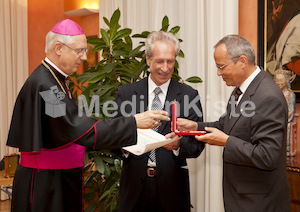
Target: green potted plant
x=120, y=63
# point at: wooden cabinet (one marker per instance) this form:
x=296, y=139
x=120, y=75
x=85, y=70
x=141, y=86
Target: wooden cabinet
x=5, y=180
x=11, y=162
x=293, y=170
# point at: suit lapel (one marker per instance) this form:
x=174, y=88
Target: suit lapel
x=172, y=94
x=141, y=93
x=232, y=119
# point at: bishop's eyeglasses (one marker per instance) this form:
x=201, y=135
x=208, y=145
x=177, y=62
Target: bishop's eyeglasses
x=79, y=52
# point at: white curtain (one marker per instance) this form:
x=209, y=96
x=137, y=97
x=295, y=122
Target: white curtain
x=203, y=23
x=13, y=62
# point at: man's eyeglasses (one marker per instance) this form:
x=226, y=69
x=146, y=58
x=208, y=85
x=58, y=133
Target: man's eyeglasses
x=231, y=60
x=79, y=52
x=223, y=66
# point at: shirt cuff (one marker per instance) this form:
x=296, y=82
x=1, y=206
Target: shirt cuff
x=176, y=151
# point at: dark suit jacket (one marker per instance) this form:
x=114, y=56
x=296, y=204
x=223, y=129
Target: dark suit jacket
x=172, y=179
x=255, y=176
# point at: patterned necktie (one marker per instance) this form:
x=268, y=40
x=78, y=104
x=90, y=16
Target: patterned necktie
x=237, y=94
x=156, y=105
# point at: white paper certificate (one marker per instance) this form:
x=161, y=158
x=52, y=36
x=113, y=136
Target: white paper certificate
x=148, y=140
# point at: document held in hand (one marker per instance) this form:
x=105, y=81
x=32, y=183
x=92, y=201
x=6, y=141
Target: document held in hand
x=148, y=140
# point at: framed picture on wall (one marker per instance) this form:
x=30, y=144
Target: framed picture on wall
x=279, y=54
x=92, y=57
x=281, y=39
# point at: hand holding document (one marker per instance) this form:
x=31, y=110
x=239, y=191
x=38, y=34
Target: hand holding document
x=147, y=140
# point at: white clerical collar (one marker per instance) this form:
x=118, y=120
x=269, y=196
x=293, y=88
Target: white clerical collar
x=248, y=81
x=164, y=87
x=57, y=69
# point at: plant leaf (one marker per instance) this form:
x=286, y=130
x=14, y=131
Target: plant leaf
x=99, y=164
x=142, y=35
x=86, y=158
x=135, y=51
x=165, y=24
x=107, y=171
x=119, y=53
x=96, y=78
x=99, y=47
x=113, y=206
x=194, y=79
x=181, y=54
x=122, y=33
x=115, y=17
x=108, y=159
x=105, y=37
x=94, y=41
x=106, y=21
x=89, y=178
x=106, y=193
x=109, y=67
x=175, y=29
x=114, y=23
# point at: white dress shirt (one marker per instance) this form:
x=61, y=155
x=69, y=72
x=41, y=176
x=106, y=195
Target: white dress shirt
x=162, y=96
x=247, y=82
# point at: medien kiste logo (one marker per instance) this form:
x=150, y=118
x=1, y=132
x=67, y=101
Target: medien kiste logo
x=54, y=107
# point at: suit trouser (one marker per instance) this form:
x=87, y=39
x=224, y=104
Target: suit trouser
x=149, y=199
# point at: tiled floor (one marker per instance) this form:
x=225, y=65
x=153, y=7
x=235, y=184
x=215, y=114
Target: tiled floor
x=5, y=206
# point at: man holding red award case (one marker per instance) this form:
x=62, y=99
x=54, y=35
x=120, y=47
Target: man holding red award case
x=253, y=132
x=174, y=124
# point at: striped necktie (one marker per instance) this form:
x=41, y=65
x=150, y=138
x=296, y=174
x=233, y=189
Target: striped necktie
x=237, y=94
x=156, y=105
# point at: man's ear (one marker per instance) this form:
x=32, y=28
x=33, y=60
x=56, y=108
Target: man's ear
x=244, y=60
x=57, y=48
x=148, y=60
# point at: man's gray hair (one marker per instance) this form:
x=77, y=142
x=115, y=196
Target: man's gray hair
x=161, y=36
x=52, y=37
x=236, y=46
